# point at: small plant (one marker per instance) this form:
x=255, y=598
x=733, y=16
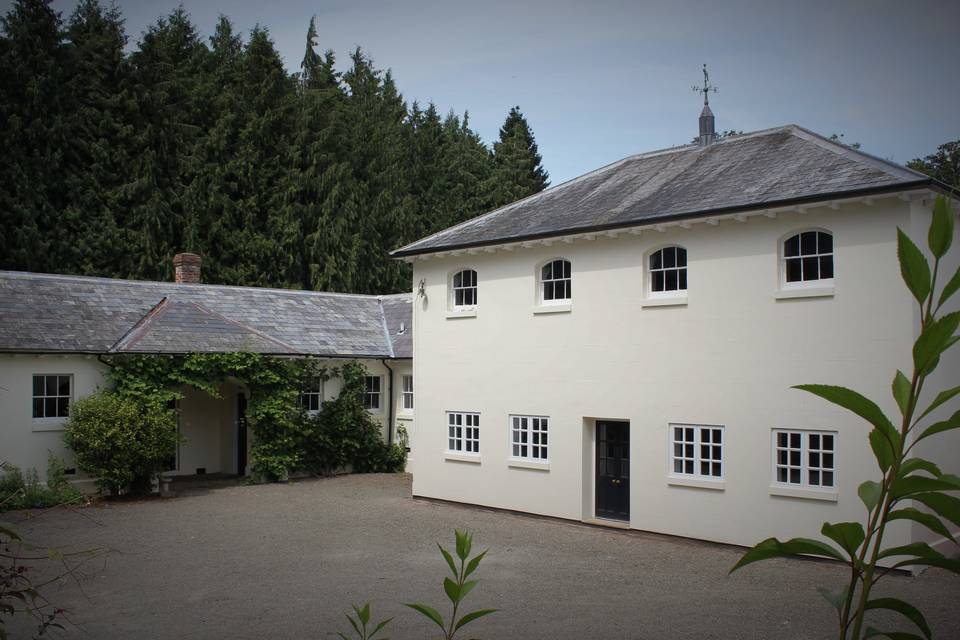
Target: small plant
x=456, y=588
x=23, y=489
x=904, y=477
x=360, y=623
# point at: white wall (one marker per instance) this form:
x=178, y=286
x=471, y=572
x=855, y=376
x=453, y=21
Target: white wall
x=26, y=442
x=728, y=357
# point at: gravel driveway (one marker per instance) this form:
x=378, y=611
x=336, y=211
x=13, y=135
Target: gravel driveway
x=284, y=561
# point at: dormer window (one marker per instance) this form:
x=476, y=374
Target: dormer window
x=808, y=259
x=668, y=272
x=555, y=282
x=464, y=289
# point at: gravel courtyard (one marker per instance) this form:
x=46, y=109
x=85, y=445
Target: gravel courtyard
x=285, y=561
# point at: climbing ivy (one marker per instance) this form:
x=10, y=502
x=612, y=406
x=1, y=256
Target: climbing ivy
x=286, y=439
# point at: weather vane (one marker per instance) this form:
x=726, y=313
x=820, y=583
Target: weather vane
x=706, y=88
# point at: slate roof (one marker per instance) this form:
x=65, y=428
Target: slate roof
x=775, y=167
x=44, y=313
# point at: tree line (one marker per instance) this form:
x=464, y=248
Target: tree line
x=113, y=161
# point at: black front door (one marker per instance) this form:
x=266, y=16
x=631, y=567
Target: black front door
x=241, y=433
x=613, y=470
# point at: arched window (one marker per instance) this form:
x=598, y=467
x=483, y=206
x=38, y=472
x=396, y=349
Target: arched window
x=668, y=271
x=555, y=282
x=465, y=289
x=808, y=257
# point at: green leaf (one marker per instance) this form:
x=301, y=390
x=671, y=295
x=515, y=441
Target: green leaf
x=882, y=449
x=428, y=612
x=919, y=464
x=463, y=544
x=869, y=493
x=903, y=608
x=913, y=549
x=913, y=267
x=363, y=613
x=467, y=588
x=353, y=623
x=836, y=600
x=473, y=615
x=452, y=589
x=773, y=548
x=849, y=535
x=945, y=506
x=858, y=404
x=901, y=392
x=893, y=635
x=953, y=422
x=934, y=340
x=928, y=520
x=903, y=487
x=474, y=563
x=941, y=228
x=951, y=287
x=377, y=629
x=942, y=397
x=449, y=559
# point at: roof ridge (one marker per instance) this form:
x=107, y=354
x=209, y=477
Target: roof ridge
x=161, y=283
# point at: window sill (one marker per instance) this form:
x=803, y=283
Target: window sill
x=808, y=494
x=552, y=308
x=48, y=424
x=804, y=292
x=697, y=483
x=406, y=416
x=451, y=456
x=516, y=463
x=669, y=301
x=466, y=313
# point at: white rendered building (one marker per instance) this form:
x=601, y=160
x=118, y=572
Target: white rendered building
x=620, y=349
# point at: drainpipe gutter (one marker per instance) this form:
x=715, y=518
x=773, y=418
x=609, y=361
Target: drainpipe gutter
x=392, y=402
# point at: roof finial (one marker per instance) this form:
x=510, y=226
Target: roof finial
x=707, y=87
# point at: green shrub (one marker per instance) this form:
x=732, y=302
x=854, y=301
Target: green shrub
x=120, y=440
x=23, y=490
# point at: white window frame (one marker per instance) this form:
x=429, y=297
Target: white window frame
x=542, y=282
x=819, y=283
x=804, y=468
x=406, y=392
x=308, y=393
x=696, y=459
x=55, y=419
x=460, y=439
x=536, y=430
x=454, y=289
x=650, y=271
x=369, y=395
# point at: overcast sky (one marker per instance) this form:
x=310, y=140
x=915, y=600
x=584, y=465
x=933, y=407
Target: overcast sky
x=605, y=79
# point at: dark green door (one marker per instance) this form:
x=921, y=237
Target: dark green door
x=613, y=470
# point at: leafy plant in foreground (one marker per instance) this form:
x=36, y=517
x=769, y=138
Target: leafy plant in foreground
x=360, y=623
x=456, y=588
x=905, y=477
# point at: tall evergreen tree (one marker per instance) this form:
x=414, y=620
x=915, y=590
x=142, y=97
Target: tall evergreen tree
x=518, y=169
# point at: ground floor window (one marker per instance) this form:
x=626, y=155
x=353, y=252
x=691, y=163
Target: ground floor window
x=528, y=437
x=697, y=450
x=51, y=396
x=463, y=432
x=407, y=392
x=805, y=458
x=371, y=399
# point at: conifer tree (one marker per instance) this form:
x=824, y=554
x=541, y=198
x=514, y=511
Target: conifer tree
x=518, y=169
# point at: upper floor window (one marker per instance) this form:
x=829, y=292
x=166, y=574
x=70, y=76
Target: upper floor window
x=555, y=282
x=805, y=458
x=668, y=271
x=311, y=395
x=808, y=257
x=465, y=289
x=371, y=398
x=463, y=432
x=51, y=396
x=697, y=451
x=406, y=393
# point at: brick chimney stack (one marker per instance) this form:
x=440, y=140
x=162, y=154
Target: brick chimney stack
x=186, y=268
